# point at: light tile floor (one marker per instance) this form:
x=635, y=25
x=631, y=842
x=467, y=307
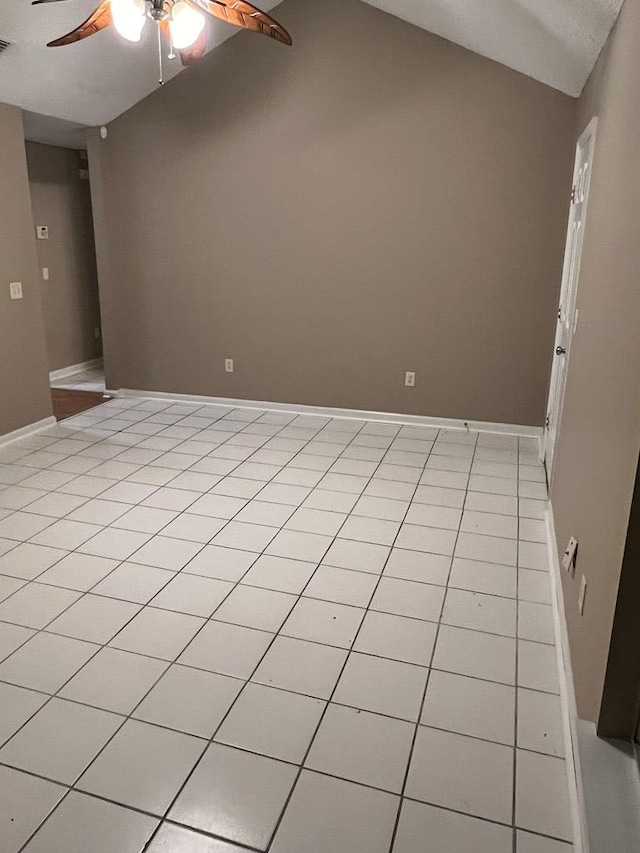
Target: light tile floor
x=226, y=630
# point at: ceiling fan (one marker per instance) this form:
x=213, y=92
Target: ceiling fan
x=180, y=21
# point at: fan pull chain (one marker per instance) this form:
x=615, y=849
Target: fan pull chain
x=160, y=74
x=171, y=53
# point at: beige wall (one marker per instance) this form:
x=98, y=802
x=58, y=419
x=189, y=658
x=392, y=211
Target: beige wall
x=24, y=381
x=373, y=200
x=62, y=200
x=600, y=433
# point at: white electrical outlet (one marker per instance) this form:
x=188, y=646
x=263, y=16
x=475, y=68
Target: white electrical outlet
x=410, y=379
x=15, y=289
x=42, y=232
x=45, y=273
x=582, y=594
x=228, y=365
x=569, y=556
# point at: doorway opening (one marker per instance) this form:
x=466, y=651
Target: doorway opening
x=63, y=233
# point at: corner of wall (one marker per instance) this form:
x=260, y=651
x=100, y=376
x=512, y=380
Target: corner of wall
x=96, y=155
x=24, y=372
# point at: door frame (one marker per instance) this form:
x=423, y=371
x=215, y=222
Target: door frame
x=587, y=139
x=619, y=714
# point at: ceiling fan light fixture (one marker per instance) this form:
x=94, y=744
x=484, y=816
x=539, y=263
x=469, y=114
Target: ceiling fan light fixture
x=129, y=17
x=185, y=24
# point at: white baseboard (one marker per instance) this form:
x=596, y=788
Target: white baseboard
x=541, y=448
x=72, y=369
x=29, y=429
x=327, y=411
x=567, y=694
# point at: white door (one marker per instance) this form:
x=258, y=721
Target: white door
x=567, y=310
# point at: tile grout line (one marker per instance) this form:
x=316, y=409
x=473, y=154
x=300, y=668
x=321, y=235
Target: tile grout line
x=313, y=642
x=424, y=692
x=127, y=559
x=108, y=741
x=517, y=679
x=243, y=846
x=126, y=718
x=342, y=669
x=204, y=545
x=88, y=473
x=185, y=511
x=72, y=787
x=282, y=527
x=248, y=681
x=343, y=704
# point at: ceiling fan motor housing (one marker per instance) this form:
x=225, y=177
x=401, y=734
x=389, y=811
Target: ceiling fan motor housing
x=158, y=12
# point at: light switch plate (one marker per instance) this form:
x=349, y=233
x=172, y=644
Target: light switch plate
x=569, y=556
x=15, y=288
x=45, y=273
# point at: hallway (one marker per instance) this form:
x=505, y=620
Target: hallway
x=77, y=393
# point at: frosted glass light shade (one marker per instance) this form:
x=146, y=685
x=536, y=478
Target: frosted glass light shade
x=129, y=17
x=186, y=24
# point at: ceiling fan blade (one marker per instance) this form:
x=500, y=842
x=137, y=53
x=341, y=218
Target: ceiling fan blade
x=191, y=55
x=38, y=2
x=242, y=14
x=96, y=21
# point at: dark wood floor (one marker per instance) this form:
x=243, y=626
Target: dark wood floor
x=67, y=403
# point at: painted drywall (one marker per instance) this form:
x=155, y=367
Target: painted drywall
x=371, y=201
x=61, y=200
x=600, y=432
x=24, y=380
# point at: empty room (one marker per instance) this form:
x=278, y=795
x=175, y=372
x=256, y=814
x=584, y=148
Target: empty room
x=319, y=426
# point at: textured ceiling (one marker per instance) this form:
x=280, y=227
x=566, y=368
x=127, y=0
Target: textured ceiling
x=554, y=41
x=92, y=82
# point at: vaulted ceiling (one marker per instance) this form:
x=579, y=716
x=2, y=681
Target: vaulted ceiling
x=554, y=41
x=91, y=82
